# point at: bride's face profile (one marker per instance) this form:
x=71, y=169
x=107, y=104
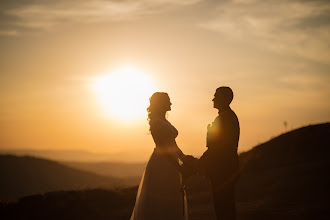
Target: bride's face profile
x=167, y=105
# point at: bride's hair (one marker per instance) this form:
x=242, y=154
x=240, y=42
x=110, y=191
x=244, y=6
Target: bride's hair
x=157, y=103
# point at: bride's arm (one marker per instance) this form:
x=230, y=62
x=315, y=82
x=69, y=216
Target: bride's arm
x=165, y=140
x=179, y=155
x=178, y=151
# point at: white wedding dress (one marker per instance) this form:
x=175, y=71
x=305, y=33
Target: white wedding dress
x=160, y=195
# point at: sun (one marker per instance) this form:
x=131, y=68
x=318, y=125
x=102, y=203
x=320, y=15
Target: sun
x=124, y=93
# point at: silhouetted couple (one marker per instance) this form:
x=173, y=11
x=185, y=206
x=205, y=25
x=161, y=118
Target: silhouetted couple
x=160, y=194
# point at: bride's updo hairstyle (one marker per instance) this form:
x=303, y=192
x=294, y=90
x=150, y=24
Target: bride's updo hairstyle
x=158, y=102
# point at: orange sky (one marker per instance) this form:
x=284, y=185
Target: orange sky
x=274, y=55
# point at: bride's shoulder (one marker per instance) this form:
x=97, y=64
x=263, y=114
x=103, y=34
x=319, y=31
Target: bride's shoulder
x=158, y=124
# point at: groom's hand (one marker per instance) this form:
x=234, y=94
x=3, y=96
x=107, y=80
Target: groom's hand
x=189, y=160
x=189, y=166
x=187, y=171
x=193, y=165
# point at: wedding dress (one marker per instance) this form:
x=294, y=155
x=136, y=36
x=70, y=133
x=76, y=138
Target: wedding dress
x=160, y=195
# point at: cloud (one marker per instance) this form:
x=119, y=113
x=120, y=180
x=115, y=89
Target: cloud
x=9, y=33
x=291, y=27
x=46, y=15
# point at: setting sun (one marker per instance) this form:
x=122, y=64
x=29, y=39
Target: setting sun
x=124, y=93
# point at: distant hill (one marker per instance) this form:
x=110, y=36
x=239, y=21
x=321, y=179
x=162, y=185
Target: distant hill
x=114, y=169
x=75, y=155
x=285, y=178
x=21, y=176
x=60, y=155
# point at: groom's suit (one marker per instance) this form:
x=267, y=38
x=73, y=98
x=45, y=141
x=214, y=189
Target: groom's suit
x=220, y=162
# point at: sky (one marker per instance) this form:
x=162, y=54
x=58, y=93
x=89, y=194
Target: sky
x=274, y=54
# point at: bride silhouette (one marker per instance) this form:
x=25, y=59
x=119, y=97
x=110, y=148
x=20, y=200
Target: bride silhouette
x=160, y=194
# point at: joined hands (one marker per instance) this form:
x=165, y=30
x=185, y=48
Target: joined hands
x=189, y=167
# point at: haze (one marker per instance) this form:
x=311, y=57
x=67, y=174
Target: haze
x=273, y=54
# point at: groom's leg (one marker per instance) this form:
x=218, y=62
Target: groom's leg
x=224, y=204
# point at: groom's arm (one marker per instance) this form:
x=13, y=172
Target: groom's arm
x=205, y=161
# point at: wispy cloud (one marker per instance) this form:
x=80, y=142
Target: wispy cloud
x=46, y=15
x=8, y=33
x=299, y=27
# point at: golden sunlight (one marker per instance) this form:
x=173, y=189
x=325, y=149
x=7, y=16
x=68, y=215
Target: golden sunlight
x=124, y=93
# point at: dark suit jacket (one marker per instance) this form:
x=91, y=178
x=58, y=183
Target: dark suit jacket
x=220, y=160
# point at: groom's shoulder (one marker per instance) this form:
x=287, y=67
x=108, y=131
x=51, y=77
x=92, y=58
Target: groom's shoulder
x=230, y=114
x=229, y=117
x=217, y=119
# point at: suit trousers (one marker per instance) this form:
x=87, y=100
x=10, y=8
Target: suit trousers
x=224, y=203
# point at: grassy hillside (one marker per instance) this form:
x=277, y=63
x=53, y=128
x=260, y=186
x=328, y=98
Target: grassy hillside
x=287, y=176
x=91, y=204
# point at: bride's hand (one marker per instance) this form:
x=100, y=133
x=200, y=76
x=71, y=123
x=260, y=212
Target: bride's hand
x=190, y=164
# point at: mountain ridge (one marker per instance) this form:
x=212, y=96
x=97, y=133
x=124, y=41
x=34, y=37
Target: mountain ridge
x=26, y=175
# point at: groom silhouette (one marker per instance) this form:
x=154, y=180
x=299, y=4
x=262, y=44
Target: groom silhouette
x=220, y=160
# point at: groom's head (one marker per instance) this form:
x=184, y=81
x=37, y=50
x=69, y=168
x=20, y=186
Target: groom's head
x=222, y=97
